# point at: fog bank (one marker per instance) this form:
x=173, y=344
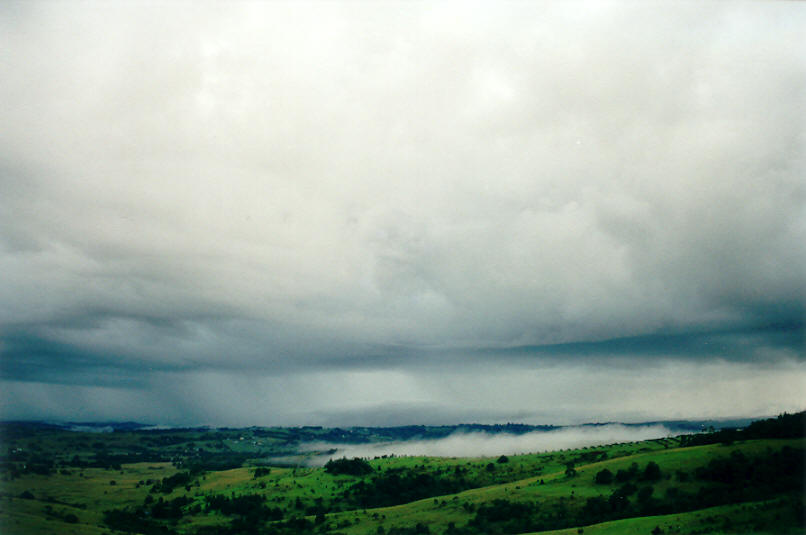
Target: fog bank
x=489, y=444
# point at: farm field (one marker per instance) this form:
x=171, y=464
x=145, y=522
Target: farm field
x=200, y=482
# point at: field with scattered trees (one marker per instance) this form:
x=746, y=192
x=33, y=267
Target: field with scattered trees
x=232, y=481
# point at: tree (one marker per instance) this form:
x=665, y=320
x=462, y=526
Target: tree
x=604, y=477
x=651, y=472
x=645, y=493
x=353, y=467
x=618, y=502
x=570, y=471
x=261, y=471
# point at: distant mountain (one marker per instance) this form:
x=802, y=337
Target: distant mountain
x=96, y=427
x=360, y=434
x=701, y=425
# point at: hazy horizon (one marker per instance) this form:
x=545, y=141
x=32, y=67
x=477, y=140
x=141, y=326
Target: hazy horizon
x=110, y=425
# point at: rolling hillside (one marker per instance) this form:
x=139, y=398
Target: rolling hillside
x=729, y=481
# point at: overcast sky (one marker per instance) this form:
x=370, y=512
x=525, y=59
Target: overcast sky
x=378, y=213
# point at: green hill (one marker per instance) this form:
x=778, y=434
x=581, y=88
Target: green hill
x=739, y=481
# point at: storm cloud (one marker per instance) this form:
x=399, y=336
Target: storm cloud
x=295, y=212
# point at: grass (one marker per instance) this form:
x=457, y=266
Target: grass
x=727, y=519
x=529, y=478
x=557, y=488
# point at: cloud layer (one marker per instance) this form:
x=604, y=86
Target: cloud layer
x=286, y=191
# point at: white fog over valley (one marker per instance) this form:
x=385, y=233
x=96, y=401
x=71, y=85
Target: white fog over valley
x=493, y=444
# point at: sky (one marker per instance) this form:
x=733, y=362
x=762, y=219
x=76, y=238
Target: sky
x=382, y=213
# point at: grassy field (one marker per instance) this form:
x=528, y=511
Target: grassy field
x=739, y=486
x=556, y=489
x=768, y=517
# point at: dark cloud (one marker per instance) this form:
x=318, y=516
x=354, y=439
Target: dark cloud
x=270, y=193
x=734, y=344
